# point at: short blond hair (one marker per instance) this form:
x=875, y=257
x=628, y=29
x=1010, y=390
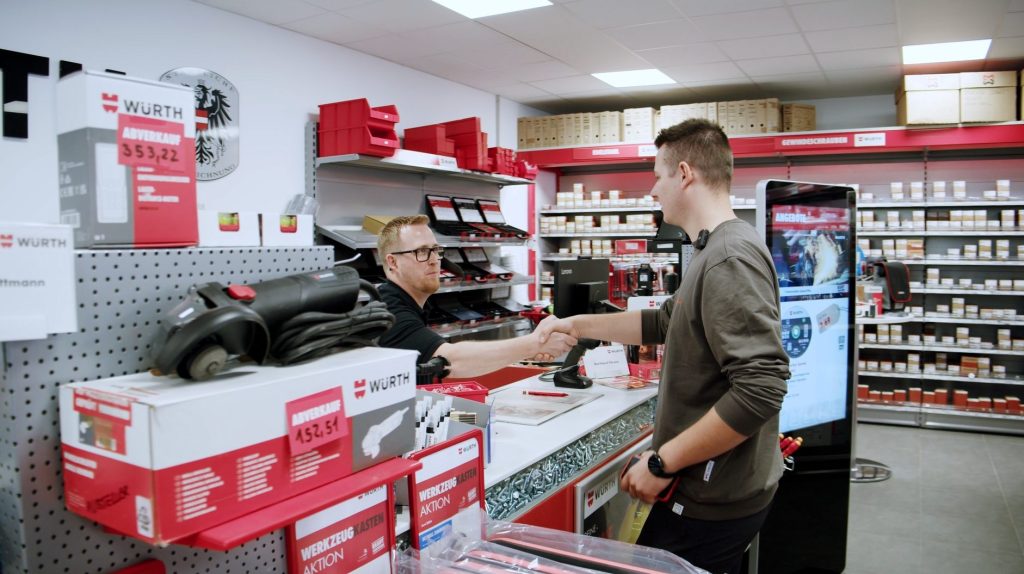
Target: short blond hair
x=389, y=234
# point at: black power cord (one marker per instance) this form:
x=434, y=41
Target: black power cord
x=311, y=335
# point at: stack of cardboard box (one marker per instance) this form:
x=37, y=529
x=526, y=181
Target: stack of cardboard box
x=967, y=97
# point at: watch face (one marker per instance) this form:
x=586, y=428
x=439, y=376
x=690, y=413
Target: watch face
x=655, y=465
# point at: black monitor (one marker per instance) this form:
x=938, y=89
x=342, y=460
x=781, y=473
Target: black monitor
x=581, y=286
x=810, y=234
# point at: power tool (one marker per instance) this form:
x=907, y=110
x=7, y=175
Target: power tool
x=292, y=319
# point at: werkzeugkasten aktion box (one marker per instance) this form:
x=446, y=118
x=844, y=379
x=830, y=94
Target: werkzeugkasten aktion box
x=161, y=458
x=126, y=159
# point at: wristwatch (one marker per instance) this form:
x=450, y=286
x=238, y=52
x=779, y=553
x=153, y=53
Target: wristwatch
x=657, y=467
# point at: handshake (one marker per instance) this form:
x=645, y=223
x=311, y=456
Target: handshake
x=553, y=337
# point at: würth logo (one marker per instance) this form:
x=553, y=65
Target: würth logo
x=109, y=102
x=360, y=388
x=6, y=240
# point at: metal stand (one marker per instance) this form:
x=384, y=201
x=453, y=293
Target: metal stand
x=865, y=470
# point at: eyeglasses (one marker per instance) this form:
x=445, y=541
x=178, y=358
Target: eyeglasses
x=423, y=253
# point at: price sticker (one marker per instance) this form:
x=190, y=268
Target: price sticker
x=152, y=143
x=447, y=162
x=316, y=420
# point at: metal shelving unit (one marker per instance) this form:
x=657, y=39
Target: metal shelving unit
x=943, y=349
x=648, y=234
x=940, y=418
x=1012, y=262
x=1015, y=232
x=482, y=327
x=940, y=291
x=1012, y=202
x=354, y=237
x=638, y=209
x=422, y=163
x=516, y=280
x=1016, y=381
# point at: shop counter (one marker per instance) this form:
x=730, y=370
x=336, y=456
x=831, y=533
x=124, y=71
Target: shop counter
x=531, y=465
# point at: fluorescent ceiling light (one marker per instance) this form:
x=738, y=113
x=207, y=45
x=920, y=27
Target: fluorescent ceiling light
x=632, y=78
x=946, y=52
x=480, y=8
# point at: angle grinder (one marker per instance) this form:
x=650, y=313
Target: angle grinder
x=291, y=319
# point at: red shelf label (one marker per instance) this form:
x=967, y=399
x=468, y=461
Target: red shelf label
x=316, y=420
x=152, y=143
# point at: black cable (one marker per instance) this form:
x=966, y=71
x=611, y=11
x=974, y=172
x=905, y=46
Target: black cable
x=310, y=335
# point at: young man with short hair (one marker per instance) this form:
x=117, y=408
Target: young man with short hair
x=412, y=262
x=724, y=369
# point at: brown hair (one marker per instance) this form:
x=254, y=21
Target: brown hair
x=389, y=234
x=704, y=146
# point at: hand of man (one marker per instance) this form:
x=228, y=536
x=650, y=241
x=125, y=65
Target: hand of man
x=552, y=324
x=557, y=344
x=640, y=483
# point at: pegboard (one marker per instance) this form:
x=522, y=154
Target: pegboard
x=121, y=295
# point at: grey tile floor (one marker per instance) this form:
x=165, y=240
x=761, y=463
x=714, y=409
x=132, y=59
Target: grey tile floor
x=955, y=503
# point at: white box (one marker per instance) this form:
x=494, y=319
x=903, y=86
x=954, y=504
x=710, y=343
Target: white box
x=160, y=458
x=229, y=228
x=638, y=125
x=126, y=159
x=286, y=230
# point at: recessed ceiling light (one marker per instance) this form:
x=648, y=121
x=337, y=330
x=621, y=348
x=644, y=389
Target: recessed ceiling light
x=946, y=52
x=480, y=8
x=632, y=78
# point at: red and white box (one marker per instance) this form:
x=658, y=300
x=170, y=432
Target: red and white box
x=446, y=495
x=229, y=228
x=159, y=458
x=353, y=536
x=126, y=160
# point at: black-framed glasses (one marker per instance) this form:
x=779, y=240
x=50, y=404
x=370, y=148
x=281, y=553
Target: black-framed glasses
x=423, y=253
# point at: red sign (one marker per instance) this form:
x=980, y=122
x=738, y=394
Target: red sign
x=446, y=494
x=316, y=420
x=153, y=143
x=346, y=545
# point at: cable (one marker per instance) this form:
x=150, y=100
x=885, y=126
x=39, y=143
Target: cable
x=310, y=335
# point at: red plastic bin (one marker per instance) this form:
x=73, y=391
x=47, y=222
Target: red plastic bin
x=525, y=170
x=471, y=390
x=504, y=160
x=355, y=114
x=463, y=126
x=429, y=139
x=357, y=140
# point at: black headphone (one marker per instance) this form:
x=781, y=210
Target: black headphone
x=702, y=239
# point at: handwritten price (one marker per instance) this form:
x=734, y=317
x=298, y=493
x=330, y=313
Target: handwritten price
x=148, y=152
x=318, y=431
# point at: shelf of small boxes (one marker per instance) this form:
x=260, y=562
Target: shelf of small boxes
x=913, y=250
x=934, y=283
x=891, y=337
x=915, y=397
x=1001, y=195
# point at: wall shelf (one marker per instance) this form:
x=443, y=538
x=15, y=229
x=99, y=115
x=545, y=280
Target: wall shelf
x=422, y=163
x=1013, y=262
x=921, y=375
x=937, y=417
x=943, y=349
x=939, y=291
x=645, y=234
x=354, y=237
x=934, y=233
x=481, y=327
x=516, y=280
x=1012, y=202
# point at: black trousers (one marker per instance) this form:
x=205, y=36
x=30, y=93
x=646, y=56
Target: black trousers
x=714, y=545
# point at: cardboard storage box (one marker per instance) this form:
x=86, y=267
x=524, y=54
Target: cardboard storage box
x=126, y=160
x=929, y=99
x=160, y=458
x=638, y=125
x=229, y=228
x=798, y=117
x=988, y=96
x=286, y=230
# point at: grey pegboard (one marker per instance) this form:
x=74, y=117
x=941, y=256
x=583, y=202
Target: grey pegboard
x=121, y=295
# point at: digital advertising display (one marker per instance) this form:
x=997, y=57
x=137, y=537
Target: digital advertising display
x=810, y=247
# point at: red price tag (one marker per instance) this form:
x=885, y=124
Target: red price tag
x=316, y=420
x=152, y=143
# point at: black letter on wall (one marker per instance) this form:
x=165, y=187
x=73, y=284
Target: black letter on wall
x=16, y=67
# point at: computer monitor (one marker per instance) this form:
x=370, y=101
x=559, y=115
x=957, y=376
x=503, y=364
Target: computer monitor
x=581, y=286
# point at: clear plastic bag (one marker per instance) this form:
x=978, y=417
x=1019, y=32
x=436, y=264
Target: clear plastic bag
x=458, y=554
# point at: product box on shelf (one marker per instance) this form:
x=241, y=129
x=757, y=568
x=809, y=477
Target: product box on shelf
x=126, y=160
x=160, y=458
x=638, y=125
x=286, y=230
x=798, y=117
x=929, y=99
x=354, y=536
x=988, y=96
x=229, y=228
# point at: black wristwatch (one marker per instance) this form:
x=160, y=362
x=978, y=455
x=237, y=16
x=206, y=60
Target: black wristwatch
x=657, y=467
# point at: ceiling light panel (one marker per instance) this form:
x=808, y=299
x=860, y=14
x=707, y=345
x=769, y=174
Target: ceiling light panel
x=946, y=52
x=633, y=78
x=478, y=9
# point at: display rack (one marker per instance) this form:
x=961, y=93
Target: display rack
x=348, y=187
x=121, y=296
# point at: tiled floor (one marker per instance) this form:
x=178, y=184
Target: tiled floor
x=955, y=503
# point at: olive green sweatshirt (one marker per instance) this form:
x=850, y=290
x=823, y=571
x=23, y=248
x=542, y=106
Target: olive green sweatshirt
x=723, y=350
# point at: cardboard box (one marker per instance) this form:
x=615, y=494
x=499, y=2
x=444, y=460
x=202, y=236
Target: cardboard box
x=928, y=107
x=638, y=125
x=286, y=230
x=988, y=79
x=375, y=223
x=798, y=118
x=988, y=104
x=159, y=458
x=229, y=228
x=126, y=157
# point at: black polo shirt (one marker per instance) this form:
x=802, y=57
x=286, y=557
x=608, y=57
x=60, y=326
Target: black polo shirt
x=410, y=330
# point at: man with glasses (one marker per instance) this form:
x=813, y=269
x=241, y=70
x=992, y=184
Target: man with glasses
x=412, y=262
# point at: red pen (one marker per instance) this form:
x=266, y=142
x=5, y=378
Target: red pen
x=545, y=394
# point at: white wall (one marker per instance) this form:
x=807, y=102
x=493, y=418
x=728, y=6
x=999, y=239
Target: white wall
x=281, y=77
x=857, y=112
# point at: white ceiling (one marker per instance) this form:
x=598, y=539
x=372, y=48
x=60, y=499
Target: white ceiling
x=714, y=49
